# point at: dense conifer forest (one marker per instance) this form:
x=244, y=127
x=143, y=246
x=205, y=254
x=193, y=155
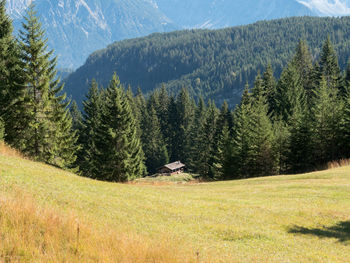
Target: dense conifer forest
x=297, y=122
x=215, y=64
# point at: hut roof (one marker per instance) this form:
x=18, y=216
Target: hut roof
x=174, y=165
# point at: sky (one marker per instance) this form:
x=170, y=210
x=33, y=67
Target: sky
x=328, y=7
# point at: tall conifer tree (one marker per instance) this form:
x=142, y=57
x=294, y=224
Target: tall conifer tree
x=121, y=155
x=184, y=119
x=329, y=66
x=48, y=135
x=327, y=113
x=88, y=159
x=153, y=142
x=11, y=82
x=269, y=87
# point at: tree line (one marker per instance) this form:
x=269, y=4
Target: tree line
x=293, y=124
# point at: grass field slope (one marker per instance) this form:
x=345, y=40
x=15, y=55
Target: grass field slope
x=49, y=215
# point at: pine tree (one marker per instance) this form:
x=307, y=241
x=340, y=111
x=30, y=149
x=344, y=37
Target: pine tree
x=121, y=156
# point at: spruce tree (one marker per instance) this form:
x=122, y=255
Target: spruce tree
x=120, y=152
x=222, y=151
x=241, y=140
x=262, y=159
x=345, y=87
x=285, y=97
x=329, y=66
x=172, y=130
x=282, y=143
x=162, y=110
x=139, y=109
x=258, y=89
x=153, y=142
x=300, y=142
x=183, y=120
x=302, y=61
x=195, y=136
x=269, y=87
x=88, y=158
x=327, y=113
x=77, y=117
x=11, y=83
x=6, y=42
x=207, y=157
x=346, y=127
x=48, y=135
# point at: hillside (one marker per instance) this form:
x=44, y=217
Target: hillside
x=214, y=63
x=50, y=214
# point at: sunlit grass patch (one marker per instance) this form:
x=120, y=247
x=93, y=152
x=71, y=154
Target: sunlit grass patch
x=297, y=218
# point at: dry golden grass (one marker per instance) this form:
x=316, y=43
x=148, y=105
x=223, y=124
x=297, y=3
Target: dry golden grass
x=7, y=151
x=338, y=164
x=30, y=233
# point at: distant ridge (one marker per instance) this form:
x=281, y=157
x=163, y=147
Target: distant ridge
x=213, y=63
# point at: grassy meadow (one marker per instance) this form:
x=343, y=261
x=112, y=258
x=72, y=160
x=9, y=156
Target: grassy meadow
x=48, y=215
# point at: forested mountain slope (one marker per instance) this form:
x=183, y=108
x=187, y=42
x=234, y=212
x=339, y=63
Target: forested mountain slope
x=214, y=63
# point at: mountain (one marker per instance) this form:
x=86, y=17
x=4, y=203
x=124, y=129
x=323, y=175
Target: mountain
x=213, y=63
x=224, y=13
x=75, y=28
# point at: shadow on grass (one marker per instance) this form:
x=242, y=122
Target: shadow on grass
x=340, y=231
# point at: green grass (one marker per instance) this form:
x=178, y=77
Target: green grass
x=301, y=218
x=175, y=178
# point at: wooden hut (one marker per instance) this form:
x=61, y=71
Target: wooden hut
x=172, y=168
